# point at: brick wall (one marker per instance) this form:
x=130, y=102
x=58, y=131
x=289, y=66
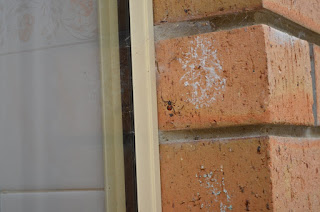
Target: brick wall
x=238, y=104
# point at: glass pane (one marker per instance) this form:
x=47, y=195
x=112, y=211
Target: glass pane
x=51, y=131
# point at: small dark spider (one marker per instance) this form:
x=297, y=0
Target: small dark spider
x=170, y=105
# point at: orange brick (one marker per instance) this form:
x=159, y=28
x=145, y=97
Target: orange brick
x=252, y=75
x=295, y=165
x=305, y=13
x=317, y=75
x=247, y=174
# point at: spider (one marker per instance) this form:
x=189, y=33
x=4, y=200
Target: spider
x=170, y=105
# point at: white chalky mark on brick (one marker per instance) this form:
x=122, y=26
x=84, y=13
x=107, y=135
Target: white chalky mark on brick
x=202, y=72
x=216, y=187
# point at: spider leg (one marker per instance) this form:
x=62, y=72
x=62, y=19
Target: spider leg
x=174, y=112
x=164, y=100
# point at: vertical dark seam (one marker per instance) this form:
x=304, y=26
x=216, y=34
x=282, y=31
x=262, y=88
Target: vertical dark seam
x=314, y=83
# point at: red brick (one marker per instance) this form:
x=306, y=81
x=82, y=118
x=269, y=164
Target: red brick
x=256, y=174
x=305, y=13
x=252, y=75
x=317, y=75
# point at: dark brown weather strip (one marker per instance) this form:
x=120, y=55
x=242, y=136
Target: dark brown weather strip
x=127, y=106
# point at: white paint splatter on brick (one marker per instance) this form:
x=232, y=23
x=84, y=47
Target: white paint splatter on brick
x=214, y=182
x=202, y=72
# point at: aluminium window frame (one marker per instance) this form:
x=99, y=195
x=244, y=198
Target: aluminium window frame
x=145, y=106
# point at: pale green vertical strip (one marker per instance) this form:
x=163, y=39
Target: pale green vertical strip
x=111, y=105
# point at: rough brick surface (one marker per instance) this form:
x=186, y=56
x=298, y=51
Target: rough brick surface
x=248, y=174
x=317, y=75
x=215, y=175
x=252, y=75
x=295, y=165
x=289, y=74
x=305, y=13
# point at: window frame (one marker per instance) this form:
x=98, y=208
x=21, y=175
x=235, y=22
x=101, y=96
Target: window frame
x=114, y=181
x=145, y=106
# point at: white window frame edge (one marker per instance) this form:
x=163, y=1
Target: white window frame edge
x=145, y=106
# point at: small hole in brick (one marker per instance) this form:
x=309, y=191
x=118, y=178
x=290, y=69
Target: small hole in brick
x=247, y=205
x=241, y=189
x=186, y=10
x=267, y=206
x=279, y=150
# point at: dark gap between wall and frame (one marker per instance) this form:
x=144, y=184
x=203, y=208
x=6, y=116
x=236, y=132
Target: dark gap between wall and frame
x=127, y=106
